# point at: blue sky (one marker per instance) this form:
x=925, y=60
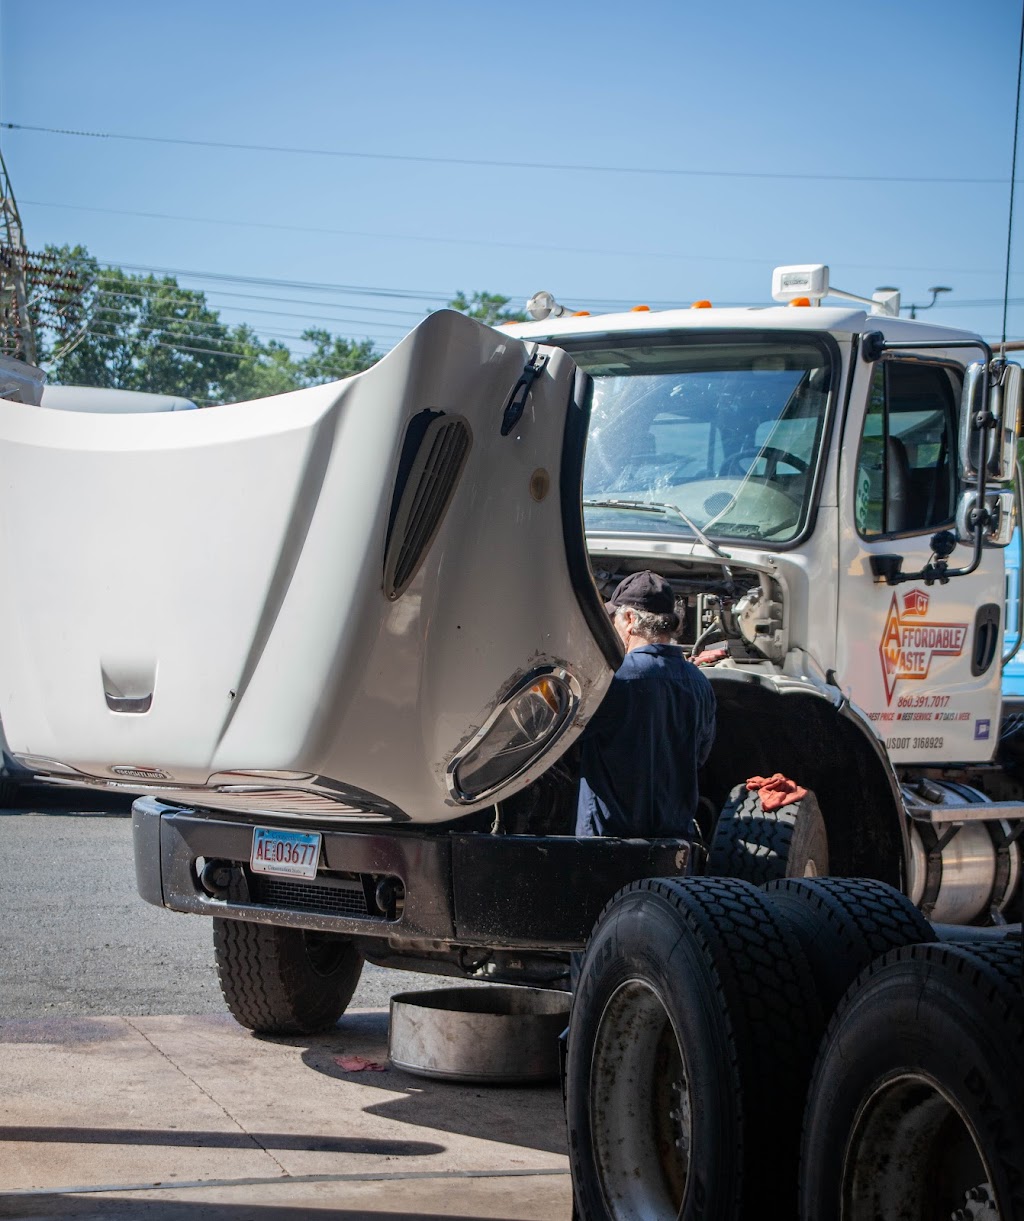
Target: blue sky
x=881, y=90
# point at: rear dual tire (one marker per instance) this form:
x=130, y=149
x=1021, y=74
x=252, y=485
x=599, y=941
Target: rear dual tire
x=691, y=1039
x=915, y=1107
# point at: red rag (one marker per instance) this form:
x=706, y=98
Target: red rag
x=357, y=1064
x=776, y=791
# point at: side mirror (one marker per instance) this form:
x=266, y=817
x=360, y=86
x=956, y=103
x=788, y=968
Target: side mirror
x=1006, y=403
x=972, y=438
x=998, y=444
x=1002, y=516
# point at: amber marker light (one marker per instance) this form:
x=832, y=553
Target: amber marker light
x=701, y=305
x=800, y=301
x=640, y=309
x=581, y=313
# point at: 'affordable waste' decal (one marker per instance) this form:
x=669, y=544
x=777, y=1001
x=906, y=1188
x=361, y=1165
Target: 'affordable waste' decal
x=910, y=640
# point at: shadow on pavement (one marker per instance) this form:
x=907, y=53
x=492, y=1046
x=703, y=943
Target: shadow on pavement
x=528, y=1116
x=41, y=1207
x=171, y=1138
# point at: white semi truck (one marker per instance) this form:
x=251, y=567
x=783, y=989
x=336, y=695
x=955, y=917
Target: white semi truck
x=343, y=641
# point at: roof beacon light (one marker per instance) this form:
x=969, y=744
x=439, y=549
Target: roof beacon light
x=543, y=305
x=800, y=280
x=810, y=281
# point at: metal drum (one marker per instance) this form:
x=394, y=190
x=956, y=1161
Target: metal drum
x=491, y=1035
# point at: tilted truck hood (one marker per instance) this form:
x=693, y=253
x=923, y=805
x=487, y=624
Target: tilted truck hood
x=340, y=584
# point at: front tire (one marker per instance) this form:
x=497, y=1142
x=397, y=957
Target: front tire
x=915, y=1106
x=690, y=1041
x=763, y=846
x=284, y=981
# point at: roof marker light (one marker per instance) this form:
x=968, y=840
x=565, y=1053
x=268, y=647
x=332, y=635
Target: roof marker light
x=580, y=313
x=702, y=304
x=640, y=309
x=800, y=301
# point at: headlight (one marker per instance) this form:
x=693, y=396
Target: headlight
x=519, y=730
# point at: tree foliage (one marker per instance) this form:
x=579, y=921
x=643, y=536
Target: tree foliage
x=486, y=307
x=143, y=332
x=333, y=357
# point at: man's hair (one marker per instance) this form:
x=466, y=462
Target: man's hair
x=651, y=624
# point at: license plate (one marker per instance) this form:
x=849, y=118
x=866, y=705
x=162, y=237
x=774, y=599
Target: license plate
x=291, y=853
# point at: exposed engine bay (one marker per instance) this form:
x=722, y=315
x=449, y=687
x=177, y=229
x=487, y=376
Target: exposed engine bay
x=720, y=606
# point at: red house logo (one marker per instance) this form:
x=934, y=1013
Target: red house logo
x=915, y=602
x=909, y=643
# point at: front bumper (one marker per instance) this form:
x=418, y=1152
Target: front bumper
x=464, y=889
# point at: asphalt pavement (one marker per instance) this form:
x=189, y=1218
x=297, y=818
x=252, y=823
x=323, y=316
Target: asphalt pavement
x=127, y=1091
x=77, y=939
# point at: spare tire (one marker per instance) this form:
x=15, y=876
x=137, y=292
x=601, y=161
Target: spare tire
x=843, y=924
x=693, y=1028
x=761, y=845
x=915, y=1109
x=284, y=980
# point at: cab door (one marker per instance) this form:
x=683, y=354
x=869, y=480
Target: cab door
x=921, y=660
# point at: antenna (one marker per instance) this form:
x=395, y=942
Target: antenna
x=1013, y=182
x=15, y=324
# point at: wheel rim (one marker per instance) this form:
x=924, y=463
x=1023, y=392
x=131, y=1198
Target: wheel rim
x=324, y=951
x=913, y=1153
x=640, y=1109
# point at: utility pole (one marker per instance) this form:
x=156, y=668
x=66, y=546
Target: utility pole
x=16, y=336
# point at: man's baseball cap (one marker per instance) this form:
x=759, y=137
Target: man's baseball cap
x=645, y=591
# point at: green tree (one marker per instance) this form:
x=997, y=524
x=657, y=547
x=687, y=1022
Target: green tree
x=138, y=332
x=486, y=307
x=265, y=368
x=333, y=358
x=141, y=332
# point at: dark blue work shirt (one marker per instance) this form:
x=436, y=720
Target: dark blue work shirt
x=643, y=746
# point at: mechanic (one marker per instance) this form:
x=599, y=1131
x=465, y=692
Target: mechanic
x=652, y=731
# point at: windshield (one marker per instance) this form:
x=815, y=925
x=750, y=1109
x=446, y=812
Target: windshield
x=724, y=433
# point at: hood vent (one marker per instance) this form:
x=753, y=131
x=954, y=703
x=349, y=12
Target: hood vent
x=433, y=455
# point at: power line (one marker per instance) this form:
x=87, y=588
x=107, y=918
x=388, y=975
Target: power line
x=495, y=164
x=357, y=290
x=406, y=237
x=163, y=291
x=404, y=294
x=485, y=242
x=179, y=347
x=249, y=309
x=135, y=328
x=557, y=248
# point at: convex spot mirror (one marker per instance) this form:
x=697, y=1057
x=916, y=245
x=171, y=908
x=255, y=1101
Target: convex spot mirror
x=999, y=444
x=1002, y=516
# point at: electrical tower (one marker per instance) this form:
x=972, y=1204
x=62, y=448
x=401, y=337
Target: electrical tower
x=42, y=293
x=16, y=338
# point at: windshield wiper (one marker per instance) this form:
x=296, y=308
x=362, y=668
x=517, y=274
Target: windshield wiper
x=657, y=506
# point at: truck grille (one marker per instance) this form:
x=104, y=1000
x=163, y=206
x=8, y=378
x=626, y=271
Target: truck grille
x=328, y=898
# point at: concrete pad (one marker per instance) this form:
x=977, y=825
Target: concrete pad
x=163, y=1116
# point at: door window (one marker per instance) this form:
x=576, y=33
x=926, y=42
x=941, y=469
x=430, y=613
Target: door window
x=906, y=471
